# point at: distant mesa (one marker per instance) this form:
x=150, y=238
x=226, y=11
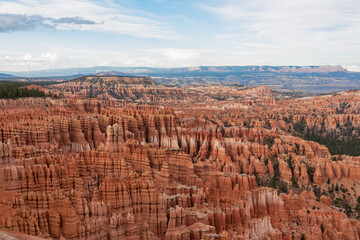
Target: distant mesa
x=110, y=73
x=274, y=69
x=311, y=69
x=191, y=69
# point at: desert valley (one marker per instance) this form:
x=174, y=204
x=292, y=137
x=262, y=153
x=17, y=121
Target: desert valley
x=124, y=157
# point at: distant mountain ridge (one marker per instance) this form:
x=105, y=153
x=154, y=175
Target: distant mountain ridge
x=6, y=75
x=111, y=73
x=309, y=79
x=279, y=69
x=202, y=69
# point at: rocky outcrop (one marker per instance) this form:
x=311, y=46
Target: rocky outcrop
x=119, y=87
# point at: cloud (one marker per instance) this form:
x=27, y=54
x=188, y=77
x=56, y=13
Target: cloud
x=353, y=68
x=18, y=22
x=77, y=57
x=177, y=54
x=83, y=15
x=292, y=18
x=70, y=57
x=73, y=20
x=290, y=32
x=238, y=32
x=48, y=59
x=23, y=22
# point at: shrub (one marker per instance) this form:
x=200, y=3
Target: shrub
x=310, y=172
x=269, y=140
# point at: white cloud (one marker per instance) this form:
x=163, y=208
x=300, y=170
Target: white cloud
x=178, y=54
x=27, y=61
x=353, y=68
x=239, y=32
x=76, y=57
x=109, y=18
x=292, y=32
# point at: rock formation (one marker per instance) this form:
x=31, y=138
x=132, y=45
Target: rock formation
x=76, y=168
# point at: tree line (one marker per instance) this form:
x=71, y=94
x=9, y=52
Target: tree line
x=19, y=90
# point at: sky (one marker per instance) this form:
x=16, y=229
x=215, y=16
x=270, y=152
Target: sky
x=50, y=34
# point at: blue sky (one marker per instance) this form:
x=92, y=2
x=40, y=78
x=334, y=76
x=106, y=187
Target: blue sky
x=43, y=34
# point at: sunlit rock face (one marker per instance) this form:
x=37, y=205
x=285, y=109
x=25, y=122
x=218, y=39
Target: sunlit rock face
x=195, y=167
x=118, y=87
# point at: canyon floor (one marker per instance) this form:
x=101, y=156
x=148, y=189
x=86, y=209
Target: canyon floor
x=125, y=158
